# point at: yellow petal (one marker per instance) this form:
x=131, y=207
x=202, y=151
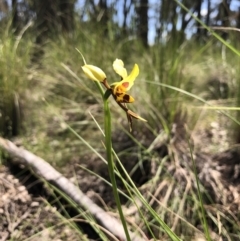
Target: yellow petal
x=127, y=83
x=133, y=75
x=118, y=67
x=94, y=73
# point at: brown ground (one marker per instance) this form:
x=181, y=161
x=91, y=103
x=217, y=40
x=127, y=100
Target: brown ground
x=24, y=213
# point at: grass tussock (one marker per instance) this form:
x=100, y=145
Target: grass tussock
x=15, y=55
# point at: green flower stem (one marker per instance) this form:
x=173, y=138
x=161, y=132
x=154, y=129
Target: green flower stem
x=107, y=128
x=108, y=143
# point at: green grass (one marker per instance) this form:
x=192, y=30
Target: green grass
x=173, y=87
x=15, y=74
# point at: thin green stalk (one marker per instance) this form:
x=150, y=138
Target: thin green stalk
x=108, y=140
x=108, y=143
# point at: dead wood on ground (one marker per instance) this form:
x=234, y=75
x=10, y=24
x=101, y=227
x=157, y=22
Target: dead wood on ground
x=46, y=171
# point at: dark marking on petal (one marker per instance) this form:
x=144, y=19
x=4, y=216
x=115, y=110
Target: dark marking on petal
x=126, y=98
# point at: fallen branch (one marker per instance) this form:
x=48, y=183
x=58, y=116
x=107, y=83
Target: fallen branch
x=46, y=171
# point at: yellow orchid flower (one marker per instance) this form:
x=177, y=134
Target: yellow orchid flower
x=120, y=88
x=94, y=73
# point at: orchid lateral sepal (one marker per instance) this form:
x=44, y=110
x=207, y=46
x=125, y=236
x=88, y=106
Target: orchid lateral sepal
x=129, y=122
x=130, y=114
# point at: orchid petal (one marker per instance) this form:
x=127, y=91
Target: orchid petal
x=118, y=67
x=126, y=83
x=94, y=73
